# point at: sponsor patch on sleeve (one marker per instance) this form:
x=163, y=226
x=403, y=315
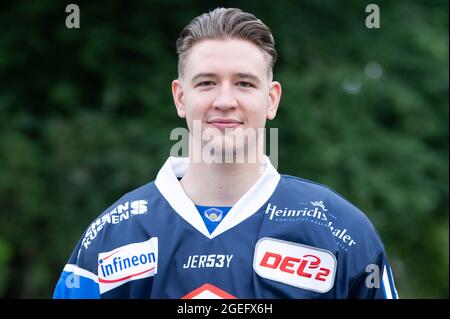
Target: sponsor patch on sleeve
x=295, y=264
x=127, y=263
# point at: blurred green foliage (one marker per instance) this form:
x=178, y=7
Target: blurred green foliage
x=85, y=116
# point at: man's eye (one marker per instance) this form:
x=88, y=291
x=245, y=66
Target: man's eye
x=206, y=83
x=245, y=84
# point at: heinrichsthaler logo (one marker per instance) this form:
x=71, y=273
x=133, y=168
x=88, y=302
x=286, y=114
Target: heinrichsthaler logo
x=317, y=212
x=127, y=263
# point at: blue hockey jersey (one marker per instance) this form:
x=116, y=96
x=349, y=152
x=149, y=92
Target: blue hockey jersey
x=285, y=238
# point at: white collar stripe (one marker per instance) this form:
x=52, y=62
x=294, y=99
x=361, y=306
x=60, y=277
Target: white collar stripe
x=169, y=186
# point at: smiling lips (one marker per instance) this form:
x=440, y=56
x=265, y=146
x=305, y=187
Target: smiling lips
x=224, y=123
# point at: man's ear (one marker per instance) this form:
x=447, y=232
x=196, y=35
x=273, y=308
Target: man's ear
x=274, y=99
x=178, y=97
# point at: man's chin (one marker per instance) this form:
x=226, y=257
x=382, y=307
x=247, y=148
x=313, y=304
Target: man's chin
x=229, y=152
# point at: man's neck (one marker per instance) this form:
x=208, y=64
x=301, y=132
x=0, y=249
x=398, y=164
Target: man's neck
x=219, y=184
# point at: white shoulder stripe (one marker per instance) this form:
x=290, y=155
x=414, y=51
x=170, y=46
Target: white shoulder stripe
x=393, y=284
x=81, y=272
x=386, y=284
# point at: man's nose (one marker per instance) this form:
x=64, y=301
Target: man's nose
x=225, y=98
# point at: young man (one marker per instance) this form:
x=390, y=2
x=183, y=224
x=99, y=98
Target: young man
x=229, y=226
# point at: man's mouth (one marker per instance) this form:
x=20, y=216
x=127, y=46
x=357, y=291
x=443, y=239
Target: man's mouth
x=224, y=122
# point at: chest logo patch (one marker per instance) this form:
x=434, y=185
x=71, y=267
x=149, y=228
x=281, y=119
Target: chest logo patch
x=295, y=264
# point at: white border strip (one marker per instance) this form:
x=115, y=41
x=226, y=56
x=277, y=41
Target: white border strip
x=81, y=272
x=387, y=284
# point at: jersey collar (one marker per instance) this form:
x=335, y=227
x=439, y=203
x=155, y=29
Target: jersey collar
x=169, y=186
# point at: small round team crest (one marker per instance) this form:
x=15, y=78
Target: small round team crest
x=213, y=214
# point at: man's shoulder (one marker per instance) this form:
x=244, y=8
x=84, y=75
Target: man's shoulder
x=146, y=190
x=125, y=213
x=135, y=201
x=311, y=190
x=350, y=227
x=313, y=194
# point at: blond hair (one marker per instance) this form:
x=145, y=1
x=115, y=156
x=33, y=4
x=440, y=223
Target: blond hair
x=222, y=24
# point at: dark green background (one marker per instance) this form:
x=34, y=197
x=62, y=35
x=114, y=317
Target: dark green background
x=85, y=116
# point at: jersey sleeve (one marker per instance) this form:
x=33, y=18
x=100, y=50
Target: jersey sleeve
x=75, y=281
x=375, y=281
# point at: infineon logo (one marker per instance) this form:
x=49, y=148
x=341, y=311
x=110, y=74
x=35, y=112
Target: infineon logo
x=294, y=264
x=127, y=263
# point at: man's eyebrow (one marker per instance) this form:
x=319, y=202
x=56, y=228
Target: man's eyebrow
x=202, y=75
x=250, y=76
x=240, y=75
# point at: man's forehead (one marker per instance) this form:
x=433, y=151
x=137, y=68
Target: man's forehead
x=234, y=56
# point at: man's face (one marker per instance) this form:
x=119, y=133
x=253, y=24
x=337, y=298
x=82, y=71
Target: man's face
x=225, y=86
